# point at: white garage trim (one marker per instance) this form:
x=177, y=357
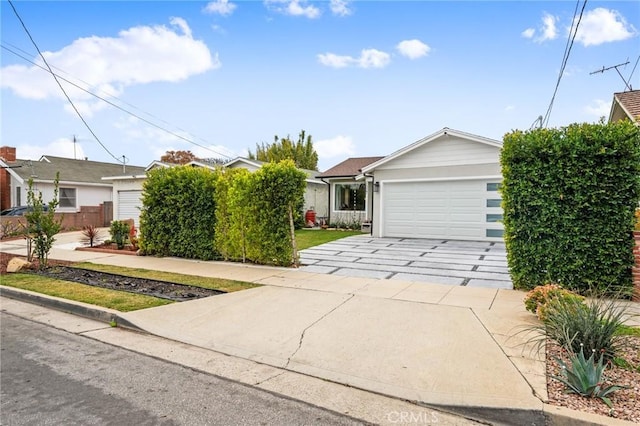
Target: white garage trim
x=129, y=203
x=442, y=208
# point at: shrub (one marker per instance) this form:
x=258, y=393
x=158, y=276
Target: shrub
x=42, y=225
x=637, y=220
x=538, y=299
x=119, y=231
x=584, y=377
x=90, y=235
x=587, y=327
x=569, y=196
x=178, y=213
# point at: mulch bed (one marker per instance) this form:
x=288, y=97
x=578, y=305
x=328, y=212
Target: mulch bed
x=162, y=289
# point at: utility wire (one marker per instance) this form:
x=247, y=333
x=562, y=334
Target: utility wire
x=565, y=58
x=60, y=85
x=157, y=126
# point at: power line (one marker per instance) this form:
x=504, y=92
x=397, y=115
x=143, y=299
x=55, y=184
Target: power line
x=565, y=59
x=59, y=84
x=157, y=126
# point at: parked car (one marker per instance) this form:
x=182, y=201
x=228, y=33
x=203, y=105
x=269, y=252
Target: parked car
x=19, y=211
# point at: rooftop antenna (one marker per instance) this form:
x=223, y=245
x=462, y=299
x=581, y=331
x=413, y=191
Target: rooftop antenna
x=74, y=147
x=626, y=83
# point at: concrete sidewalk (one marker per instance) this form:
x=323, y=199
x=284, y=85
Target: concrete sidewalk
x=450, y=347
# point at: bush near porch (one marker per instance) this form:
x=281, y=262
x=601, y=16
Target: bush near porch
x=569, y=197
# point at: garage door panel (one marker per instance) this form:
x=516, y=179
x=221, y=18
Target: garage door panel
x=129, y=203
x=447, y=209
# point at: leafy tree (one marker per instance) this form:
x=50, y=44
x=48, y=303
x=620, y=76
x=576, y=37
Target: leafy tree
x=301, y=152
x=42, y=225
x=178, y=157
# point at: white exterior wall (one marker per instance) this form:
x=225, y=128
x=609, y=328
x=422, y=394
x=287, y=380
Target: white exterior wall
x=86, y=195
x=316, y=198
x=447, y=158
x=124, y=185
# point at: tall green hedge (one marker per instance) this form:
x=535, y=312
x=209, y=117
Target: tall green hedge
x=178, y=213
x=256, y=211
x=569, y=197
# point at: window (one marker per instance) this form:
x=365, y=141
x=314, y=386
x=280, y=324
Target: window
x=495, y=233
x=493, y=186
x=494, y=202
x=18, y=196
x=350, y=196
x=494, y=217
x=68, y=197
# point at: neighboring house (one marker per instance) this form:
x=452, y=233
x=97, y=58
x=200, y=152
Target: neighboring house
x=127, y=189
x=80, y=181
x=349, y=200
x=444, y=186
x=626, y=105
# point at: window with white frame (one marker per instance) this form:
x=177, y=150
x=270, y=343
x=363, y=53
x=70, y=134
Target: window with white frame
x=67, y=197
x=350, y=196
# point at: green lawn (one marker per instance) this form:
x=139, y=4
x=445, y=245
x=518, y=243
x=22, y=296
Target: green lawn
x=119, y=300
x=306, y=238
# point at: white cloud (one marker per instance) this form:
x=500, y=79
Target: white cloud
x=546, y=31
x=369, y=58
x=59, y=148
x=509, y=108
x=339, y=146
x=601, y=25
x=413, y=49
x=139, y=55
x=340, y=7
x=220, y=7
x=528, y=33
x=598, y=108
x=293, y=8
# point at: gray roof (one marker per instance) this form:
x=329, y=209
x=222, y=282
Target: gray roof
x=70, y=170
x=349, y=167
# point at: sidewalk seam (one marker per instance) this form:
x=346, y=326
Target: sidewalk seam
x=351, y=296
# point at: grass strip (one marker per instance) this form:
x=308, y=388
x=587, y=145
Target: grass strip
x=306, y=238
x=194, y=280
x=119, y=300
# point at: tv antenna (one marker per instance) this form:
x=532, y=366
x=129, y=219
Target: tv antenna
x=626, y=83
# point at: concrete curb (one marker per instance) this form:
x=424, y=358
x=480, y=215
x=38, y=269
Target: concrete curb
x=85, y=310
x=562, y=416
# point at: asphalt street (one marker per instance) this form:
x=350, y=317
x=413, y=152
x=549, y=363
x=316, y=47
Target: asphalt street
x=49, y=376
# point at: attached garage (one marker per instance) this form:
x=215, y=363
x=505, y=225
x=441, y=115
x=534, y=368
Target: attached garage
x=457, y=209
x=445, y=186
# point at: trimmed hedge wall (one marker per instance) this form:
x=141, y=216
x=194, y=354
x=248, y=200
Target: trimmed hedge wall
x=569, y=197
x=227, y=213
x=178, y=213
x=256, y=213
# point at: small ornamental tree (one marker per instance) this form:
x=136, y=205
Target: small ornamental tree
x=569, y=198
x=42, y=225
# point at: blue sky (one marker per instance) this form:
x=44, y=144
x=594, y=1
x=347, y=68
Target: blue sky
x=364, y=78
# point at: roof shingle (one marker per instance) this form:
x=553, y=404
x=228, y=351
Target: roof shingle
x=630, y=101
x=349, y=167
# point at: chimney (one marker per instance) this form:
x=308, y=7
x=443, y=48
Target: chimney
x=8, y=155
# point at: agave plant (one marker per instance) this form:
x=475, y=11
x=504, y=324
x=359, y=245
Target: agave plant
x=584, y=377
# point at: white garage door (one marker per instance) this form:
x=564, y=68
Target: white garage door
x=460, y=210
x=129, y=203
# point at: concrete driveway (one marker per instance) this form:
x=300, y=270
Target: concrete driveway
x=464, y=263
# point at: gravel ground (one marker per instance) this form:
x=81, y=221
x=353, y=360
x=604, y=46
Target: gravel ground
x=626, y=403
